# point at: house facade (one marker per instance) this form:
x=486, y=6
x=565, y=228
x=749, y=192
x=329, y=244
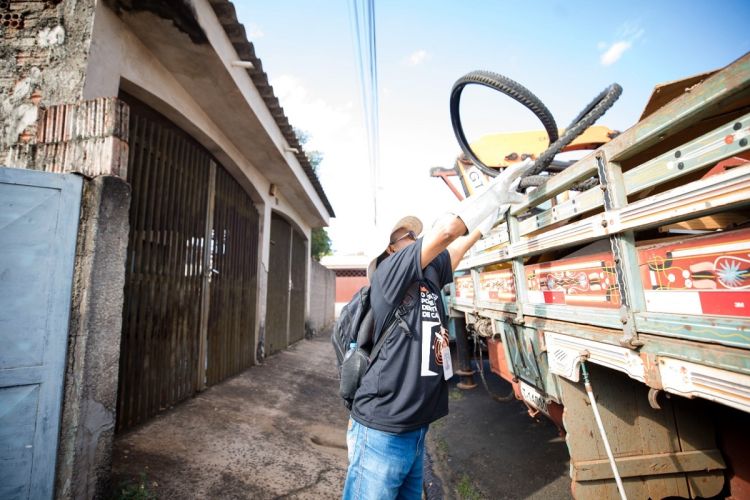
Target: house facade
x=193, y=203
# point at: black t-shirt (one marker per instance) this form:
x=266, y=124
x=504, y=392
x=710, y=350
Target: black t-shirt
x=404, y=388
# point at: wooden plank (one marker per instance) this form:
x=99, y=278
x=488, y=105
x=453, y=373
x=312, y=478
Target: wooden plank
x=154, y=325
x=145, y=321
x=168, y=268
x=694, y=429
x=182, y=387
x=130, y=382
x=648, y=465
x=165, y=195
x=658, y=435
x=632, y=427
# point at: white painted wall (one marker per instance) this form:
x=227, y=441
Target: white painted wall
x=121, y=59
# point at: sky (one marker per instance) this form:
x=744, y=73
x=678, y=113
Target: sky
x=565, y=52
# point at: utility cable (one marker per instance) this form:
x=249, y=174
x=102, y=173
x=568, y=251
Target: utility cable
x=363, y=25
x=480, y=365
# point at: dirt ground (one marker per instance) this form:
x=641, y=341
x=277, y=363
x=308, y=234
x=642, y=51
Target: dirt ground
x=278, y=431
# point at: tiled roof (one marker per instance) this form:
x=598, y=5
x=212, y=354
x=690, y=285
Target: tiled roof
x=227, y=16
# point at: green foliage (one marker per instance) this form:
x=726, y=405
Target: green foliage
x=314, y=157
x=466, y=490
x=321, y=244
x=131, y=490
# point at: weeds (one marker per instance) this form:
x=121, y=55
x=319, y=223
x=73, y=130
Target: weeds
x=455, y=395
x=466, y=490
x=135, y=490
x=442, y=445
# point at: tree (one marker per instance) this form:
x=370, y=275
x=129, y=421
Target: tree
x=321, y=243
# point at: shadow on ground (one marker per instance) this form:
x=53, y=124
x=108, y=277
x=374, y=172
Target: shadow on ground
x=275, y=431
x=489, y=450
x=278, y=431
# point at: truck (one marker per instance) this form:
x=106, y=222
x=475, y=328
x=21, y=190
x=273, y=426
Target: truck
x=615, y=299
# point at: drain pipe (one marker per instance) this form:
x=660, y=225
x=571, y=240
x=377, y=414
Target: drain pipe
x=595, y=409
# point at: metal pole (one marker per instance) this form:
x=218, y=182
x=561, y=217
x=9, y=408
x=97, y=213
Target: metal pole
x=599, y=424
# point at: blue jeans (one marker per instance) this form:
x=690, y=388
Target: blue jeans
x=384, y=465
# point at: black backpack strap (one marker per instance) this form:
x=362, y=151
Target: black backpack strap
x=396, y=316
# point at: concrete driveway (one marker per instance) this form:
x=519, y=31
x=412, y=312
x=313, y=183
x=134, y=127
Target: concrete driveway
x=275, y=431
x=278, y=431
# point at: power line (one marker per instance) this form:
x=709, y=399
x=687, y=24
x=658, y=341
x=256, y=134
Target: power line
x=362, y=15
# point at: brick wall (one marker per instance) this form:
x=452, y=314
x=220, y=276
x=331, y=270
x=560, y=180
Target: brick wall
x=322, y=294
x=43, y=56
x=347, y=286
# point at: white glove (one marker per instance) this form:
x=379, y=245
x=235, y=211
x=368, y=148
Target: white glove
x=494, y=198
x=487, y=224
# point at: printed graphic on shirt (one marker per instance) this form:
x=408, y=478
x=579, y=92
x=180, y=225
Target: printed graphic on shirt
x=434, y=336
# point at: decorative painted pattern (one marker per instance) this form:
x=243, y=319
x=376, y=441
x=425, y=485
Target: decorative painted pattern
x=464, y=288
x=586, y=281
x=497, y=286
x=704, y=276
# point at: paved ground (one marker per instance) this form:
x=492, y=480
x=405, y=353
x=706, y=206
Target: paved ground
x=274, y=431
x=489, y=450
x=278, y=431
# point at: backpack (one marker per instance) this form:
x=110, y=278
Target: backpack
x=355, y=325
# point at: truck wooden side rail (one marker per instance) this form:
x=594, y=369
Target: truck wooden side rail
x=645, y=278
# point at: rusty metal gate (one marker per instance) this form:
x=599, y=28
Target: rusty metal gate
x=234, y=261
x=297, y=284
x=181, y=316
x=287, y=276
x=277, y=303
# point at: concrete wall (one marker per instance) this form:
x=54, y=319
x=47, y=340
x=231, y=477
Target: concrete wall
x=88, y=420
x=44, y=125
x=42, y=62
x=322, y=296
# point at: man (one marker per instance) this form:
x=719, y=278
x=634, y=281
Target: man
x=405, y=388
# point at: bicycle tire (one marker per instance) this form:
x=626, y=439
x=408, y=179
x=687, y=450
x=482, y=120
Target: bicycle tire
x=507, y=86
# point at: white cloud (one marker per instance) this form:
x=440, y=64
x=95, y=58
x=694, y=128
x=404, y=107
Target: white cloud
x=418, y=57
x=627, y=34
x=614, y=52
